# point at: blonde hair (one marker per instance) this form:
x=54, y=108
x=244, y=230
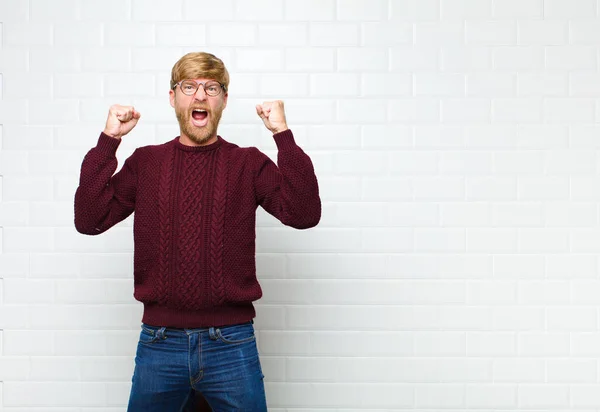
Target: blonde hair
x=200, y=64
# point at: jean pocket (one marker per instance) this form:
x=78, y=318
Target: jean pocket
x=236, y=334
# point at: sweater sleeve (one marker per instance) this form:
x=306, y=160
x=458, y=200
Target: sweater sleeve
x=103, y=200
x=289, y=190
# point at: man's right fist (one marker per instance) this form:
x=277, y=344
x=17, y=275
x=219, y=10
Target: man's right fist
x=120, y=121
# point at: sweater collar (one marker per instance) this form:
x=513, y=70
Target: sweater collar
x=186, y=148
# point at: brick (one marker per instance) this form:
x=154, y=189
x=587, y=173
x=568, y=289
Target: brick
x=215, y=11
x=461, y=110
x=57, y=11
x=410, y=58
x=270, y=10
x=414, y=162
x=21, y=291
x=492, y=344
x=496, y=240
x=543, y=84
x=438, y=34
x=333, y=35
x=543, y=32
x=465, y=58
x=126, y=85
x=180, y=34
x=571, y=319
x=364, y=59
x=157, y=10
x=289, y=35
x=439, y=85
x=519, y=110
x=362, y=10
x=571, y=58
x=371, y=110
x=522, y=9
x=78, y=34
x=129, y=34
x=439, y=188
x=460, y=214
x=514, y=370
x=519, y=163
x=382, y=136
x=491, y=85
x=564, y=9
x=543, y=396
x=419, y=110
x=309, y=59
x=27, y=34
x=54, y=394
x=491, y=33
x=15, y=10
x=386, y=34
x=109, y=10
x=255, y=60
x=543, y=188
x=451, y=240
x=583, y=31
x=310, y=10
x=517, y=215
x=281, y=85
x=415, y=10
x=359, y=163
x=521, y=58
x=567, y=110
x=230, y=34
x=575, y=266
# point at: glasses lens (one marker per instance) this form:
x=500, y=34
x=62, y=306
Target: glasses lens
x=212, y=88
x=189, y=87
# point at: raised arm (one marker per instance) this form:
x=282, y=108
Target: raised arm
x=289, y=190
x=102, y=200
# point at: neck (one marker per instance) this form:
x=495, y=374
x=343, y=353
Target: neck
x=184, y=139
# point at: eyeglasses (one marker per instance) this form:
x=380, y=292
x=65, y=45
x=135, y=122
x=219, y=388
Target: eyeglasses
x=190, y=87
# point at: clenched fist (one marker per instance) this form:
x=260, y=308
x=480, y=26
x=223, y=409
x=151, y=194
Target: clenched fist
x=272, y=115
x=120, y=121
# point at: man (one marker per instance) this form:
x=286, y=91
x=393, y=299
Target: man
x=195, y=200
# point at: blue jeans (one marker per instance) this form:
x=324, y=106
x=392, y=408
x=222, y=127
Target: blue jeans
x=221, y=363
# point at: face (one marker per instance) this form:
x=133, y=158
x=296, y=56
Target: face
x=198, y=115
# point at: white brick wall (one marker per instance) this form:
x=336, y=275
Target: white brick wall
x=456, y=145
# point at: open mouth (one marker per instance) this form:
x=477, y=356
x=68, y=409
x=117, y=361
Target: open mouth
x=199, y=117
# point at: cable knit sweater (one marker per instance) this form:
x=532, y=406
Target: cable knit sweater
x=194, y=222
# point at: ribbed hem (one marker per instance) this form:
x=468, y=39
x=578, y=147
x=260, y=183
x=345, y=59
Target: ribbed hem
x=284, y=140
x=156, y=315
x=107, y=145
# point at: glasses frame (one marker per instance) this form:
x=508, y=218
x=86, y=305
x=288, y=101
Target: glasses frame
x=198, y=84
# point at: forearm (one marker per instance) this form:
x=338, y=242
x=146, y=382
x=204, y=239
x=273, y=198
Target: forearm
x=98, y=205
x=296, y=202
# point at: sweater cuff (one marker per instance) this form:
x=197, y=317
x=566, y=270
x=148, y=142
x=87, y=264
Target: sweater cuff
x=107, y=145
x=284, y=140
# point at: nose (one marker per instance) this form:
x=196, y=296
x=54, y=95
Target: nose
x=200, y=93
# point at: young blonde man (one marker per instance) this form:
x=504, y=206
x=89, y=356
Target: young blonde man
x=195, y=199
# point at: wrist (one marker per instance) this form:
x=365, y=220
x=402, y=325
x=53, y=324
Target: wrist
x=114, y=136
x=279, y=129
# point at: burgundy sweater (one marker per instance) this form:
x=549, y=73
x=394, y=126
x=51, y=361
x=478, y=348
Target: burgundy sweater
x=194, y=221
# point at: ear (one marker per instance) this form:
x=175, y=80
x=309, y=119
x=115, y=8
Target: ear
x=172, y=97
x=225, y=99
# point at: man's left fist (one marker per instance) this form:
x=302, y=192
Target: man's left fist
x=272, y=115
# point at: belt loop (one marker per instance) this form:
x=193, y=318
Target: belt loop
x=160, y=334
x=212, y=333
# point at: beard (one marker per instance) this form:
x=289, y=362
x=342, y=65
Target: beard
x=199, y=135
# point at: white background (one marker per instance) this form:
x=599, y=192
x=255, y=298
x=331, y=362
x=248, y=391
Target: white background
x=456, y=146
